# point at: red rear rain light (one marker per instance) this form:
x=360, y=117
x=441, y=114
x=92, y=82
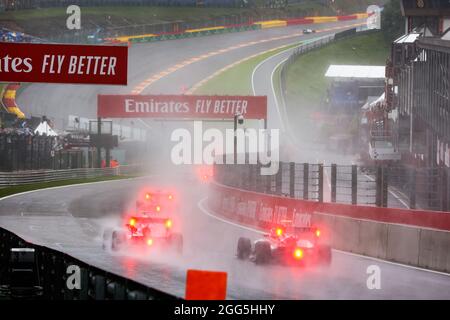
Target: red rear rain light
x=298, y=254
x=279, y=232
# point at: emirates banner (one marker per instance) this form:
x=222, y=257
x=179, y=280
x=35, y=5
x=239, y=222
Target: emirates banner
x=181, y=106
x=61, y=63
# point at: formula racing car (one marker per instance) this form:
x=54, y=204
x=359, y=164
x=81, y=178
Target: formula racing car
x=289, y=246
x=150, y=226
x=308, y=31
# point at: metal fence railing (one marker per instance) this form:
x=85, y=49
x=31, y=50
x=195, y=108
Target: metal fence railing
x=47, y=274
x=27, y=177
x=383, y=186
x=34, y=152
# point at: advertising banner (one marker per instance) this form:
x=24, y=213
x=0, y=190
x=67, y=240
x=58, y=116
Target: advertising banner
x=181, y=106
x=61, y=63
x=259, y=209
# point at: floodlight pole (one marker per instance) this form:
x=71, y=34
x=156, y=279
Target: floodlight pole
x=238, y=117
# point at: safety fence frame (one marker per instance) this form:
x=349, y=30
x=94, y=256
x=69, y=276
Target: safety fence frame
x=27, y=177
x=380, y=186
x=51, y=269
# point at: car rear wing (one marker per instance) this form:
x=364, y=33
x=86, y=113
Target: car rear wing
x=159, y=220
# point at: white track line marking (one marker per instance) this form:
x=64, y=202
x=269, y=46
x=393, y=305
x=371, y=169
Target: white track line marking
x=303, y=42
x=200, y=204
x=277, y=103
x=208, y=213
x=274, y=93
x=392, y=263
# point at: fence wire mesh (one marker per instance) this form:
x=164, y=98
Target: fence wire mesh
x=398, y=187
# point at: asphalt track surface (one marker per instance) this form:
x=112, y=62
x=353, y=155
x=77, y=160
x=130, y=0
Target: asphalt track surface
x=72, y=219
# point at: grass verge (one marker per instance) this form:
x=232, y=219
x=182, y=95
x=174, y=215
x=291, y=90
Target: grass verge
x=306, y=83
x=43, y=185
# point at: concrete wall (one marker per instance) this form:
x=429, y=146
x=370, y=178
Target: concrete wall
x=425, y=248
x=362, y=233
x=434, y=250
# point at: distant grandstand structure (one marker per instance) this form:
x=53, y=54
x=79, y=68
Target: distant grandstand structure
x=418, y=84
x=408, y=127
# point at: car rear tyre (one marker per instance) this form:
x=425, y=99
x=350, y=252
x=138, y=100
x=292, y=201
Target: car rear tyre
x=176, y=242
x=262, y=252
x=116, y=240
x=325, y=255
x=244, y=248
x=107, y=234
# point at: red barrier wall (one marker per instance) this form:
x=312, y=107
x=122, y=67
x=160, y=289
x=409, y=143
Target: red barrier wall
x=347, y=18
x=293, y=22
x=258, y=209
x=9, y=100
x=398, y=235
x=249, y=207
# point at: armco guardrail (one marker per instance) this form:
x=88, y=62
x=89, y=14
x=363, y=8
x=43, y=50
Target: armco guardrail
x=143, y=34
x=413, y=237
x=27, y=177
x=51, y=272
x=316, y=44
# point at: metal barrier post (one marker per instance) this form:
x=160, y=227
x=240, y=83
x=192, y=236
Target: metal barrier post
x=444, y=189
x=99, y=149
x=305, y=181
x=412, y=190
x=320, y=183
x=378, y=181
x=84, y=290
x=249, y=183
x=385, y=186
x=354, y=184
x=268, y=184
x=292, y=179
x=100, y=287
x=333, y=182
x=278, y=180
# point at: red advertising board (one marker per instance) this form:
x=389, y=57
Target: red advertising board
x=61, y=63
x=181, y=106
x=258, y=209
x=264, y=210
